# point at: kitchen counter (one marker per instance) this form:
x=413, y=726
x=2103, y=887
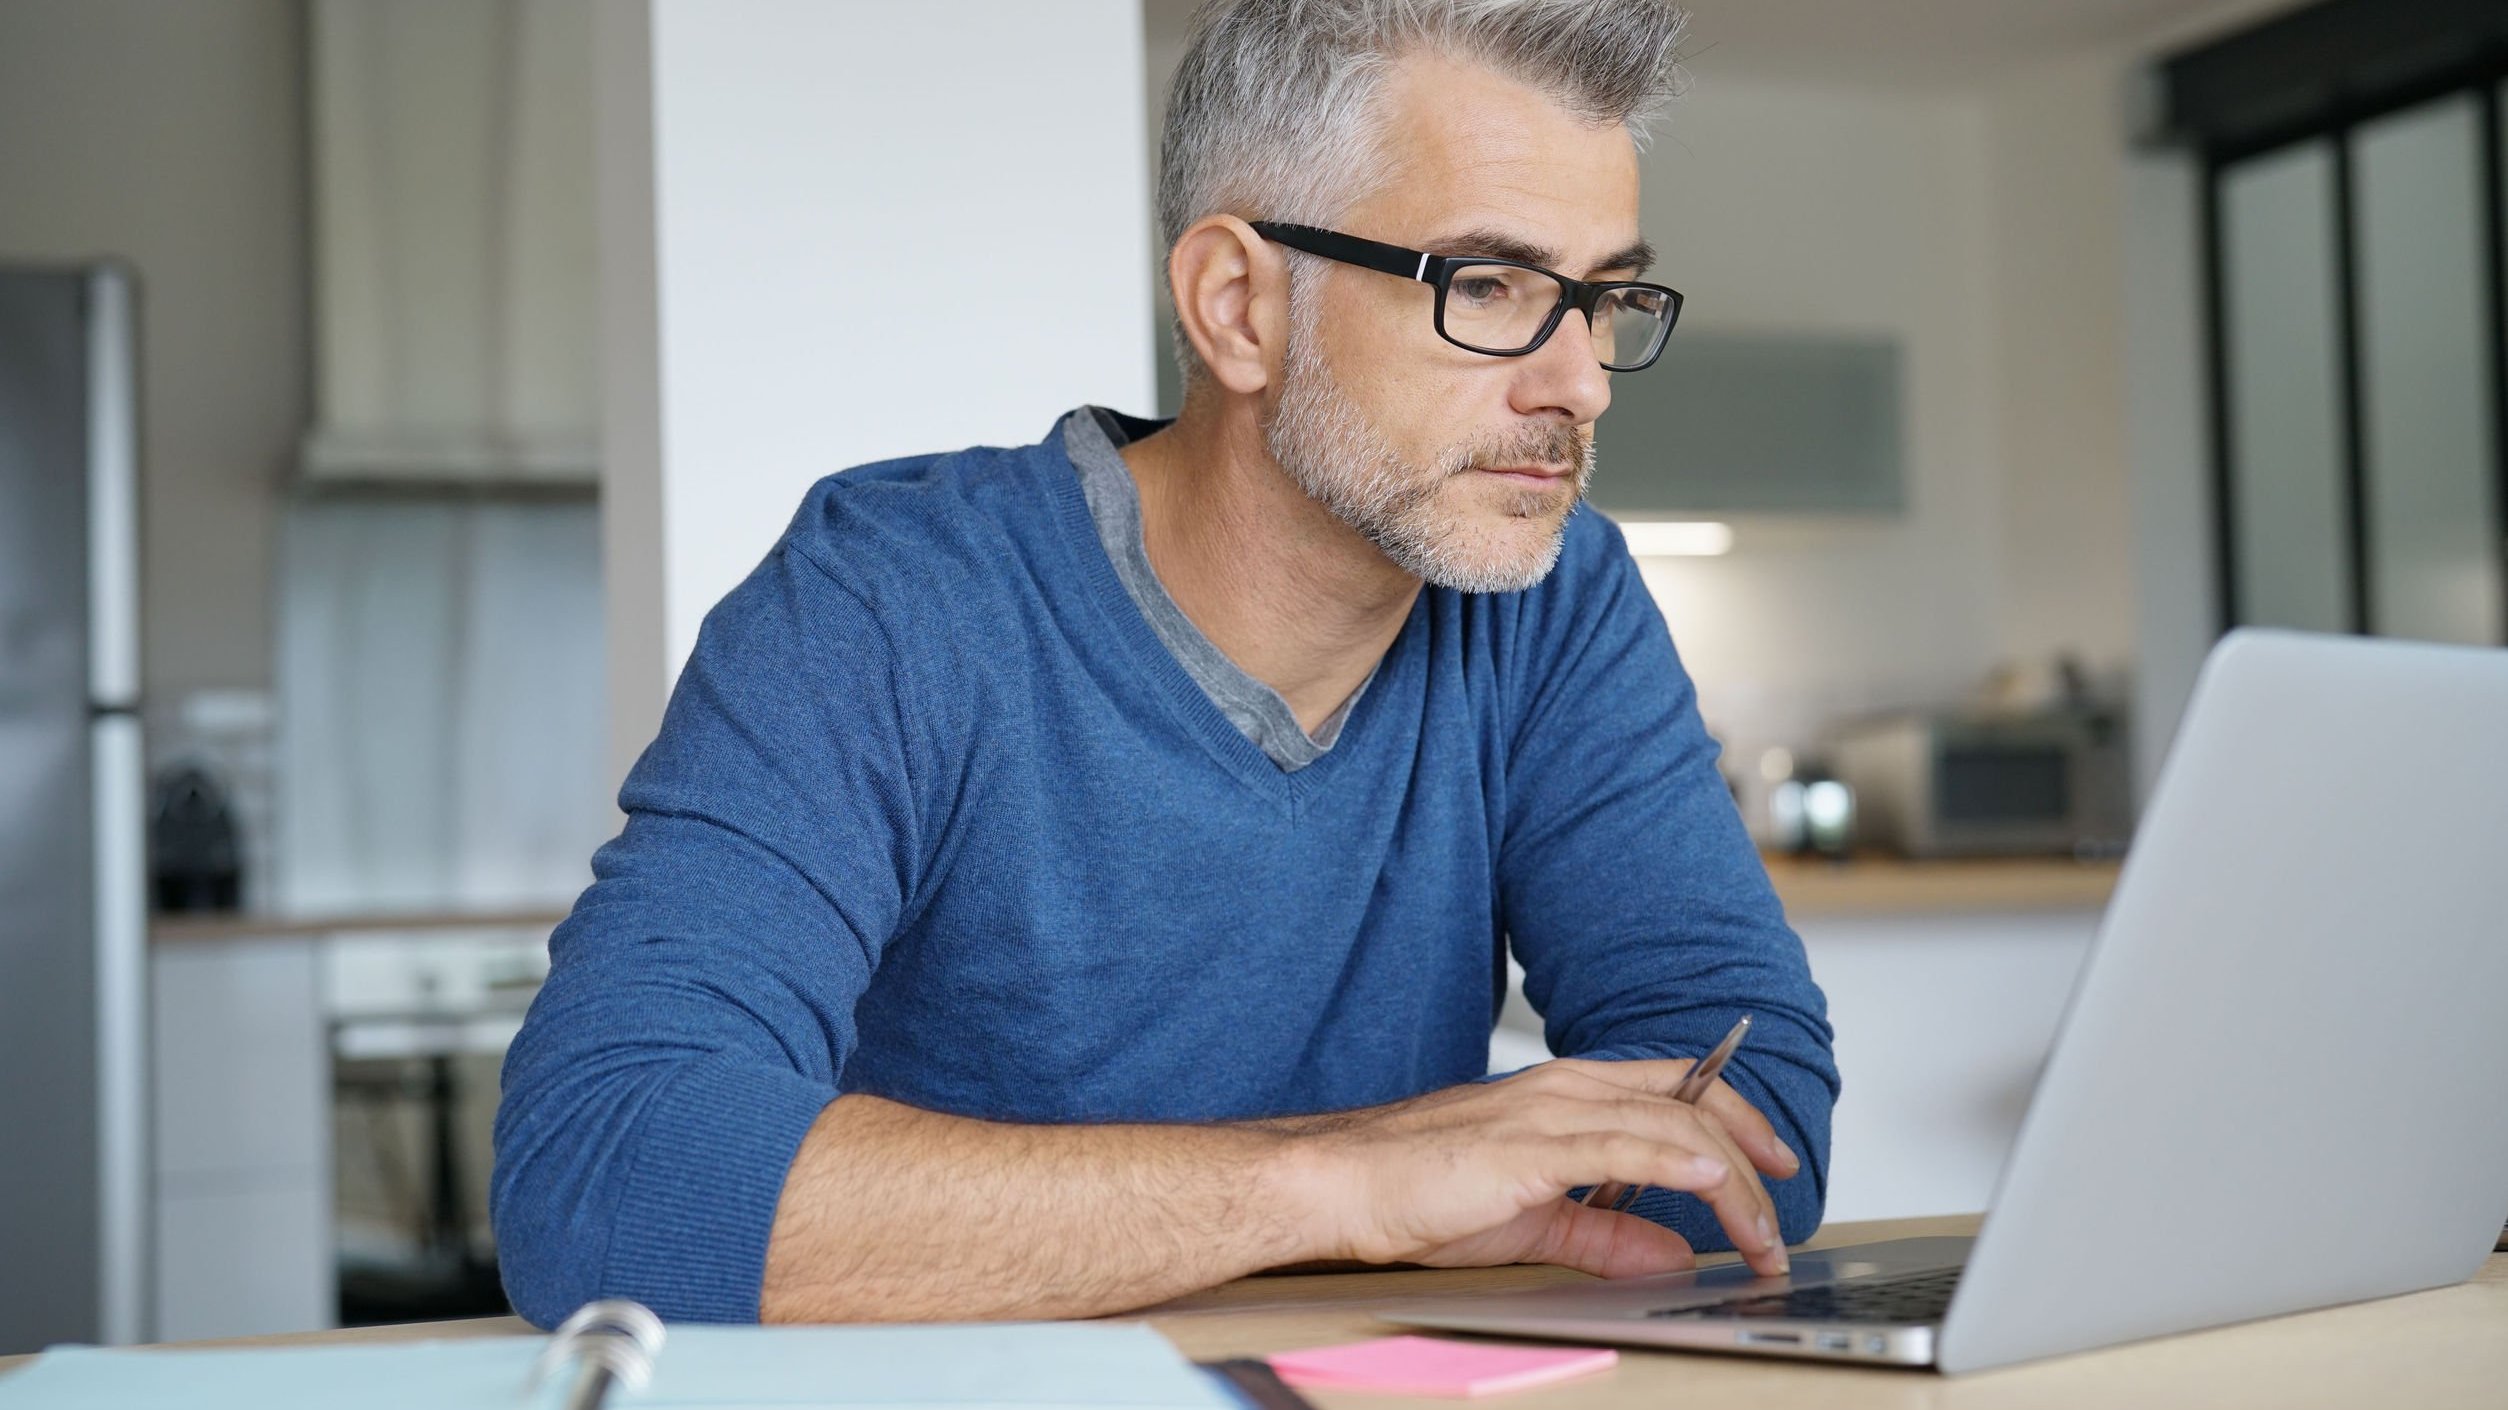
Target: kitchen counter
x=1880, y=885
x=182, y=927
x=1866, y=885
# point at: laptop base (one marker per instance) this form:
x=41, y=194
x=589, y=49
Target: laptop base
x=1849, y=1290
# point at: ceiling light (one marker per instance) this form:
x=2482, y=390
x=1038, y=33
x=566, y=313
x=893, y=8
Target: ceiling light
x=1678, y=539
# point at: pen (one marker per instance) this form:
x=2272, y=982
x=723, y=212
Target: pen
x=1693, y=1086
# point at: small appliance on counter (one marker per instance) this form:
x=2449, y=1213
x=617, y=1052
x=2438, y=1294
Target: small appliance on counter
x=2008, y=775
x=1811, y=812
x=194, y=861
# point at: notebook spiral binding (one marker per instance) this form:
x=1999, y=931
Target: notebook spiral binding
x=610, y=1342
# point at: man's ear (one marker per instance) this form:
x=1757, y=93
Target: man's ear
x=1231, y=288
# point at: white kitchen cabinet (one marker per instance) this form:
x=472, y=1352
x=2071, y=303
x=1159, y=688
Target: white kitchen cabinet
x=243, y=1139
x=1943, y=1021
x=456, y=315
x=244, y=1261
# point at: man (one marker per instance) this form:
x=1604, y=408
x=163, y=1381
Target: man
x=1070, y=876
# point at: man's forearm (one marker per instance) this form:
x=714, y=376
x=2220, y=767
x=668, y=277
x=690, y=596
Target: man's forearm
x=897, y=1214
x=891, y=1213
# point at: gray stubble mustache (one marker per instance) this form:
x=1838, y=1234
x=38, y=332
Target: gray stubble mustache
x=1570, y=446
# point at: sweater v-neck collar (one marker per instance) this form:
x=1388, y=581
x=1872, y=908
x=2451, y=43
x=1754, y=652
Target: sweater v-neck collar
x=1219, y=734
x=1093, y=438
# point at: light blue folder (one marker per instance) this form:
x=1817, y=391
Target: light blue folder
x=1017, y=1366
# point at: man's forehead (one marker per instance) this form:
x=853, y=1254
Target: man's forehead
x=1481, y=164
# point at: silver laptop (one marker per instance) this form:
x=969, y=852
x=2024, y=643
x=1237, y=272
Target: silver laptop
x=2282, y=1082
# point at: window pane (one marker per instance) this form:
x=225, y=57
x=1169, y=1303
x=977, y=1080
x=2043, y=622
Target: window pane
x=2287, y=498
x=2434, y=561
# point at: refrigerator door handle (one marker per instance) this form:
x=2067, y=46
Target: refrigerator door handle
x=120, y=810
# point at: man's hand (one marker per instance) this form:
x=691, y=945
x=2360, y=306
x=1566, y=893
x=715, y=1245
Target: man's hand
x=1478, y=1175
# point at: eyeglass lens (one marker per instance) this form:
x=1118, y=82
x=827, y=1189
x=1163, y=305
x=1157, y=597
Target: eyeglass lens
x=1629, y=324
x=1500, y=308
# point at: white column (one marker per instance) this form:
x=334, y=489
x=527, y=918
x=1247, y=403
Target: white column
x=833, y=233
x=2168, y=406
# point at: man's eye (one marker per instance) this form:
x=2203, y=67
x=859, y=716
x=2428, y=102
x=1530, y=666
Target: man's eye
x=1481, y=291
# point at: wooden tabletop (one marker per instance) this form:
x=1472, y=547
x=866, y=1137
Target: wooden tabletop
x=2445, y=1348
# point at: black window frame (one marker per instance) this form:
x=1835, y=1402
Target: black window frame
x=2319, y=74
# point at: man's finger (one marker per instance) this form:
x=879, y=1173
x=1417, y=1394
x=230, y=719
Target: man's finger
x=1655, y=1076
x=1763, y=1244
x=1662, y=1076
x=1610, y=1245
x=1680, y=1148
x=1751, y=1131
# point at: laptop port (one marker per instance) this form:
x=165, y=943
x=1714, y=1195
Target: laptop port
x=1836, y=1341
x=1772, y=1339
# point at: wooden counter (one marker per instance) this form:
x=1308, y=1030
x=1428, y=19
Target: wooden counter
x=1896, y=886
x=183, y=927
x=1875, y=885
x=2441, y=1349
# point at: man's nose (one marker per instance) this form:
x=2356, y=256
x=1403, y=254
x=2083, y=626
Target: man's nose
x=1563, y=375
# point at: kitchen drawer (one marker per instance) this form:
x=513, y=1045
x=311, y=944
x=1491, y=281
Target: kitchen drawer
x=242, y=1072
x=245, y=1257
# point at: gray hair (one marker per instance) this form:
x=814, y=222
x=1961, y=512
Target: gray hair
x=1274, y=109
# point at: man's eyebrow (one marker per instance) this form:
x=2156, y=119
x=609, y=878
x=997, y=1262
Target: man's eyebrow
x=1497, y=244
x=1638, y=258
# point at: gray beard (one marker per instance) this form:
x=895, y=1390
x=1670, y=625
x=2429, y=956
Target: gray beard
x=1337, y=457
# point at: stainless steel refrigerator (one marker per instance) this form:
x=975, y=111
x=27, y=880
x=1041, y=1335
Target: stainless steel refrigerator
x=74, y=1181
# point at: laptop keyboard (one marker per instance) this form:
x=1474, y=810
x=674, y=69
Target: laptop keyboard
x=1921, y=1297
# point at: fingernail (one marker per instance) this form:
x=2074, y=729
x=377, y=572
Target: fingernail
x=1767, y=1235
x=1793, y=1162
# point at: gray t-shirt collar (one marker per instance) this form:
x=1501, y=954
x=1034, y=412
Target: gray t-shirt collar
x=1094, y=437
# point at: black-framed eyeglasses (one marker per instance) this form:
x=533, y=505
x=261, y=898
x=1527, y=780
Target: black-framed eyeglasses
x=1504, y=307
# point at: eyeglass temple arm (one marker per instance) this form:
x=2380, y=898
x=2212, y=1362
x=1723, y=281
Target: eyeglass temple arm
x=1350, y=249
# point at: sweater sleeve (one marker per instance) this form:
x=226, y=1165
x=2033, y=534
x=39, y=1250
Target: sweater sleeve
x=699, y=1006
x=1630, y=892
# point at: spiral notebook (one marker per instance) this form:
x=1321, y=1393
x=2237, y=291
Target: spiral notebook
x=1017, y=1366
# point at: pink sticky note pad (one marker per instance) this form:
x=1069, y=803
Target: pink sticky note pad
x=1427, y=1366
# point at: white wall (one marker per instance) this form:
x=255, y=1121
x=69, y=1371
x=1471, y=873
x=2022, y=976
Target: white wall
x=1817, y=209
x=172, y=136
x=2055, y=170
x=2176, y=609
x=1985, y=228
x=838, y=233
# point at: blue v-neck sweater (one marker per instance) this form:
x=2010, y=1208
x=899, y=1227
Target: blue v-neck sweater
x=934, y=815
